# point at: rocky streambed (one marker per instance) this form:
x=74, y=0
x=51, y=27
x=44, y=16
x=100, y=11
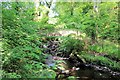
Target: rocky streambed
x=75, y=68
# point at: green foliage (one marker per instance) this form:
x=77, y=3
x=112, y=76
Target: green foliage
x=101, y=61
x=106, y=48
x=71, y=78
x=101, y=26
x=44, y=74
x=12, y=75
x=22, y=56
x=109, y=21
x=68, y=45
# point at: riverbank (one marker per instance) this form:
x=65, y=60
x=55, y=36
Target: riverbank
x=90, y=67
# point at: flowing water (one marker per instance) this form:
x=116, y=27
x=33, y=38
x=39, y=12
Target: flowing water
x=89, y=71
x=86, y=71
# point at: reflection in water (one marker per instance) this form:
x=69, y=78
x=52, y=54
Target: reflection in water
x=88, y=72
x=81, y=70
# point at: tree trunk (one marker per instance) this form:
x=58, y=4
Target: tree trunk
x=72, y=8
x=36, y=13
x=95, y=32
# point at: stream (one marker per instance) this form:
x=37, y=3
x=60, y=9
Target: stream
x=77, y=69
x=89, y=71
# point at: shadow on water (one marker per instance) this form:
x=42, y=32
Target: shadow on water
x=90, y=72
x=85, y=71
